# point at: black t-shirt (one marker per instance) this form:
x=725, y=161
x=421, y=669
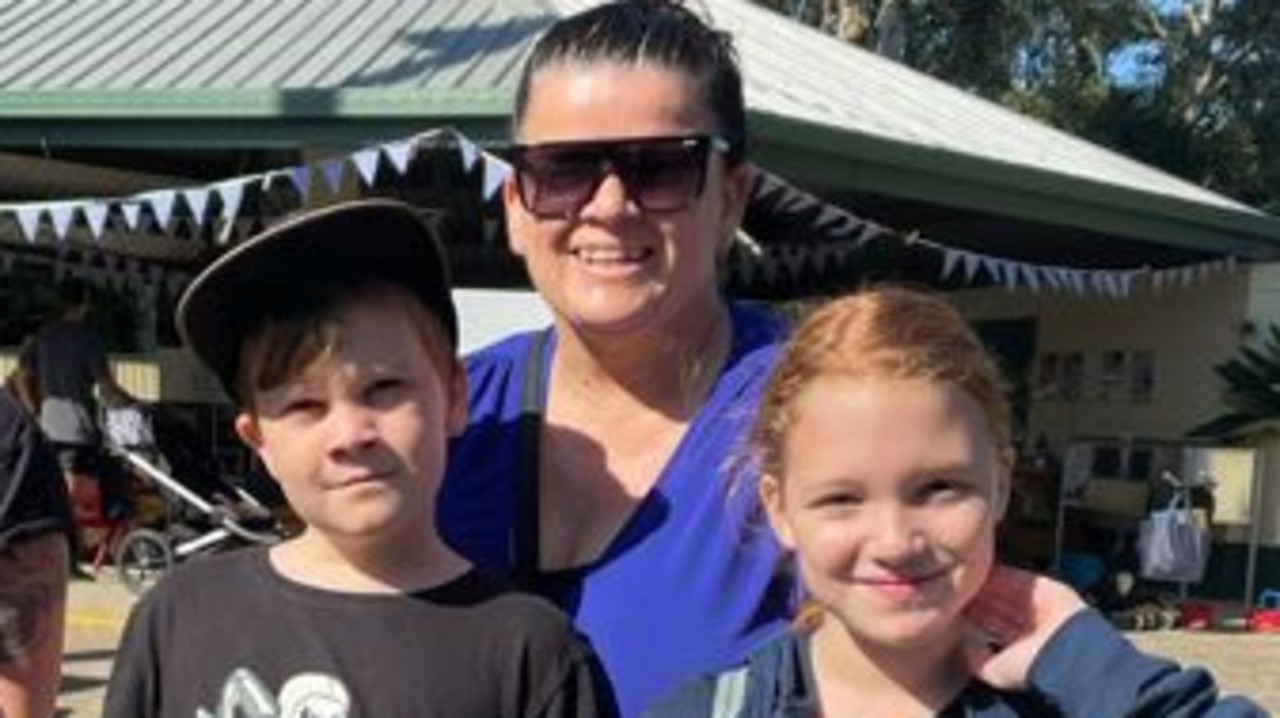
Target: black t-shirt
x=33, y=494
x=227, y=635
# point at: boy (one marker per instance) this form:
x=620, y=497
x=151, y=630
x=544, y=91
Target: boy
x=336, y=334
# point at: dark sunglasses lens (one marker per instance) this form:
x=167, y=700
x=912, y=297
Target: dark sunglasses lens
x=666, y=176
x=557, y=181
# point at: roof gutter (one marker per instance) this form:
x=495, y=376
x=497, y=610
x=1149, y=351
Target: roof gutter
x=807, y=151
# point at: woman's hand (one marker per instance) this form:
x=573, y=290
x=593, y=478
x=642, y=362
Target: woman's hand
x=1011, y=619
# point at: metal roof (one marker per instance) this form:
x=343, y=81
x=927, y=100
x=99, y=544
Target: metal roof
x=329, y=72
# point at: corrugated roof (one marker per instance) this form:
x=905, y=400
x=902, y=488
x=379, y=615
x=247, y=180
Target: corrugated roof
x=172, y=71
x=282, y=44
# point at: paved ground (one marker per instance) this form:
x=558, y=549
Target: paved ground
x=1246, y=663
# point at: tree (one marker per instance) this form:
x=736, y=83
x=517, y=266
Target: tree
x=1251, y=392
x=1191, y=86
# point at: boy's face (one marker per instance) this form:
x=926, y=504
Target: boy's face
x=890, y=499
x=357, y=441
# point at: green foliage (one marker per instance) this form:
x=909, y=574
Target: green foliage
x=1191, y=86
x=1251, y=394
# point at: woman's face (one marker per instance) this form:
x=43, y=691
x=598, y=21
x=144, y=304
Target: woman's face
x=618, y=264
x=890, y=499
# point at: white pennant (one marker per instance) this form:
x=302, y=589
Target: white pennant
x=95, y=215
x=231, y=193
x=1126, y=283
x=1032, y=277
x=971, y=264
x=993, y=269
x=399, y=153
x=869, y=232
x=301, y=178
x=1010, y=272
x=469, y=153
x=332, y=172
x=950, y=258
x=198, y=202
x=62, y=215
x=495, y=173
x=162, y=206
x=366, y=162
x=1053, y=278
x=132, y=211
x=29, y=219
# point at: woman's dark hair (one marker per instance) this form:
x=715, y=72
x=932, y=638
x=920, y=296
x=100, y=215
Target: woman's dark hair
x=661, y=32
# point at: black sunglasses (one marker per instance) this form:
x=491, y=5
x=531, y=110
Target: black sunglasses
x=660, y=174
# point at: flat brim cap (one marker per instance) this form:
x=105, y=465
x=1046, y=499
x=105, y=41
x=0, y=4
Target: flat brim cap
x=371, y=239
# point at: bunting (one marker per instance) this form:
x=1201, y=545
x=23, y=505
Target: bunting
x=226, y=199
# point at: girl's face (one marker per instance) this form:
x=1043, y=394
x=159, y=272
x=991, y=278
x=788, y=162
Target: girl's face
x=617, y=264
x=890, y=497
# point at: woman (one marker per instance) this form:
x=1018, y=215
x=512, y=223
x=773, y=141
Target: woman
x=591, y=466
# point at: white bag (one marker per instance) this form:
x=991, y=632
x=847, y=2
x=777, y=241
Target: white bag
x=1171, y=544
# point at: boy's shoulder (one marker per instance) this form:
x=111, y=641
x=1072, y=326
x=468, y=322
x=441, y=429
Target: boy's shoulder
x=494, y=601
x=229, y=571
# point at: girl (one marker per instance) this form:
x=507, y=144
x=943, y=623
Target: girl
x=884, y=447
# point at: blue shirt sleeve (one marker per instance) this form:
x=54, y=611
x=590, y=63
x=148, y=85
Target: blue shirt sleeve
x=1089, y=669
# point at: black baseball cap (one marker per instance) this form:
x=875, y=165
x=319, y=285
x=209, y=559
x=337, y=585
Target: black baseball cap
x=364, y=240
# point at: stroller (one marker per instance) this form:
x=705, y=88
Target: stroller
x=203, y=511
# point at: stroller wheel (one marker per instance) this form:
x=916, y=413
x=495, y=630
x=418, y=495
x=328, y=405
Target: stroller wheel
x=142, y=557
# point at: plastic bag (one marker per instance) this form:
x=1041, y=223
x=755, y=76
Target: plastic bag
x=1171, y=544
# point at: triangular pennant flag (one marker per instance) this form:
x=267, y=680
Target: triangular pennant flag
x=162, y=207
x=495, y=173
x=1010, y=272
x=366, y=162
x=971, y=264
x=870, y=231
x=469, y=152
x=1051, y=278
x=132, y=212
x=301, y=178
x=95, y=215
x=1032, y=277
x=399, y=153
x=231, y=193
x=198, y=202
x=62, y=214
x=332, y=172
x=950, y=258
x=993, y=268
x=1126, y=283
x=29, y=220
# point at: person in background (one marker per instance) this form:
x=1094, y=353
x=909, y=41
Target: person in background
x=349, y=384
x=35, y=524
x=66, y=360
x=591, y=466
x=883, y=446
